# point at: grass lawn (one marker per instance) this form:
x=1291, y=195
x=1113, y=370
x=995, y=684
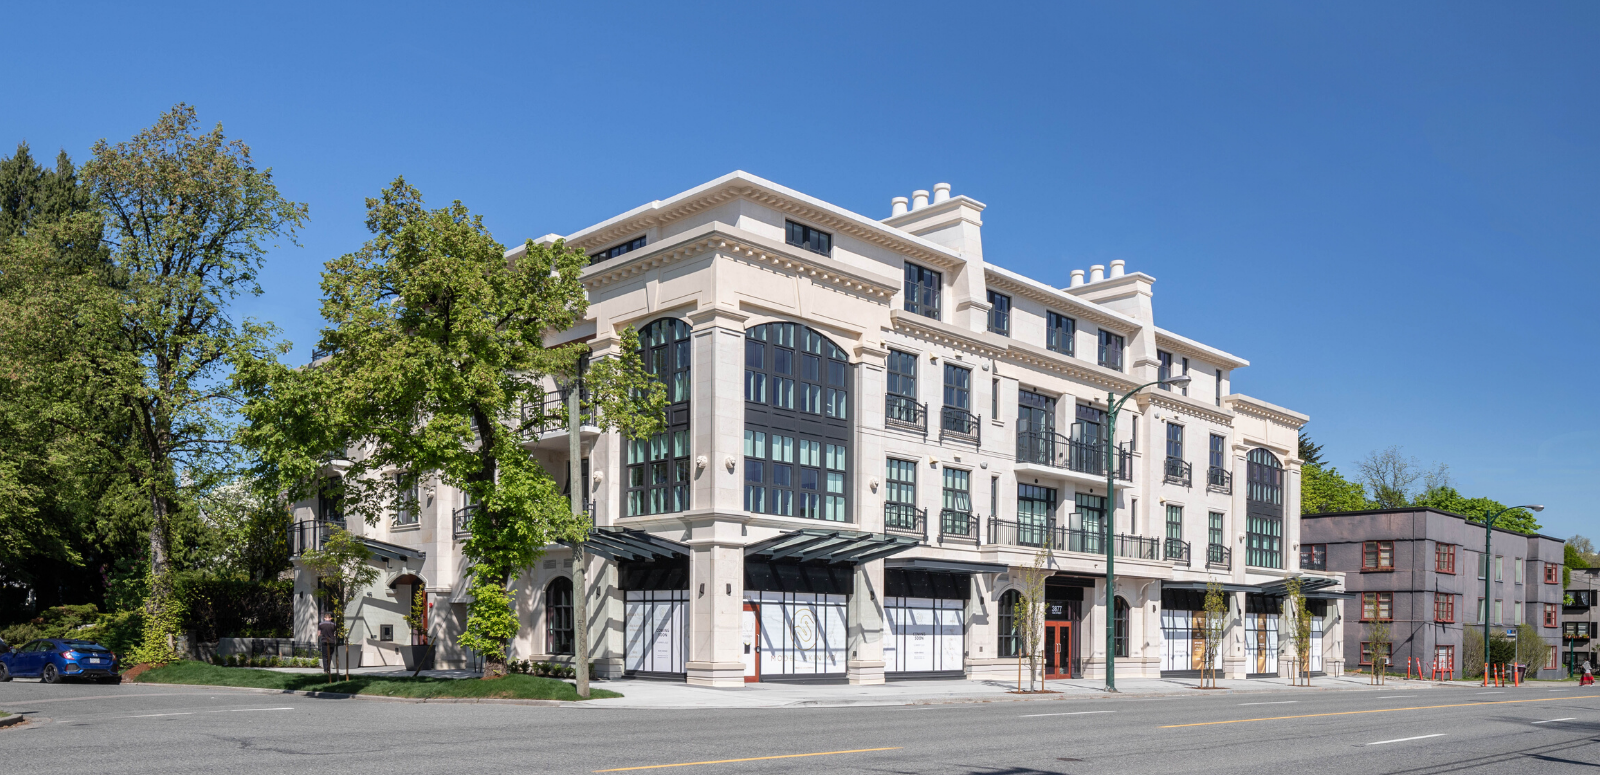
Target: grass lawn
x=512, y=687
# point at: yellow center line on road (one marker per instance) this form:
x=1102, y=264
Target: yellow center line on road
x=1355, y=712
x=751, y=759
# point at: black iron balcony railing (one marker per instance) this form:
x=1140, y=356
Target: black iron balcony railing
x=462, y=519
x=1177, y=550
x=550, y=417
x=1032, y=534
x=307, y=535
x=957, y=525
x=1219, y=480
x=1219, y=556
x=1137, y=547
x=905, y=519
x=1058, y=451
x=960, y=424
x=1175, y=471
x=905, y=413
x=1088, y=541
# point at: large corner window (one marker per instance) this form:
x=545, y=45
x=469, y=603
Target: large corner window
x=922, y=291
x=658, y=467
x=1111, y=350
x=1264, y=510
x=803, y=236
x=1000, y=313
x=1058, y=332
x=797, y=423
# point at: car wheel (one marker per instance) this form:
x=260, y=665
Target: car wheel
x=50, y=674
x=5, y=673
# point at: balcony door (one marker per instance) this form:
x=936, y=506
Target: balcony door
x=1036, y=428
x=1087, y=433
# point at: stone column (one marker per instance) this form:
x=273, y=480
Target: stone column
x=716, y=603
x=865, y=622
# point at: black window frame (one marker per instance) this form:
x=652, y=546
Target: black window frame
x=1164, y=368
x=1218, y=451
x=799, y=454
x=1119, y=625
x=559, y=633
x=1008, y=645
x=1059, y=338
x=1111, y=356
x=999, y=313
x=808, y=237
x=658, y=467
x=924, y=289
x=1175, y=441
x=619, y=249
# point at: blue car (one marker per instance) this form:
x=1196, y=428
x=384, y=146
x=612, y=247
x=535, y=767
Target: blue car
x=53, y=659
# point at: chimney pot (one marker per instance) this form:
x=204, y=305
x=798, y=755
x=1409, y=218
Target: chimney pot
x=1077, y=277
x=1097, y=273
x=1117, y=267
x=919, y=199
x=941, y=192
x=899, y=206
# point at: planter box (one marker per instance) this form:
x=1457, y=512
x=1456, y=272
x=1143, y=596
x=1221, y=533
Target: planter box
x=418, y=657
x=346, y=657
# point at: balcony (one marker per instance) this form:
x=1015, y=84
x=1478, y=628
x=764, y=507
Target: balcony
x=905, y=413
x=545, y=426
x=307, y=535
x=1042, y=536
x=1177, y=551
x=462, y=519
x=905, y=519
x=958, y=527
x=1175, y=471
x=1137, y=547
x=1219, y=480
x=960, y=425
x=1219, y=556
x=1056, y=451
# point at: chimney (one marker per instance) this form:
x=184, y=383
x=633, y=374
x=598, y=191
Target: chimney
x=898, y=205
x=919, y=199
x=941, y=192
x=1116, y=267
x=1077, y=278
x=1097, y=273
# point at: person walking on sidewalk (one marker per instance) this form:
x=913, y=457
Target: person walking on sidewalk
x=327, y=636
x=1588, y=674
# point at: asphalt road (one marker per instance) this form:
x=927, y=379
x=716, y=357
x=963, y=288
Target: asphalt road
x=148, y=729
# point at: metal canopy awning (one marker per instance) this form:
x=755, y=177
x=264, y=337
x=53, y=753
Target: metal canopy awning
x=1201, y=586
x=617, y=544
x=387, y=551
x=834, y=546
x=954, y=566
x=1312, y=587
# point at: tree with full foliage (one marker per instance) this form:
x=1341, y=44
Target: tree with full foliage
x=1213, y=621
x=437, y=367
x=1324, y=490
x=1310, y=453
x=1446, y=498
x=1581, y=550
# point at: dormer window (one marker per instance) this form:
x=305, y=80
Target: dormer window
x=803, y=236
x=1111, y=350
x=617, y=250
x=1000, y=313
x=923, y=286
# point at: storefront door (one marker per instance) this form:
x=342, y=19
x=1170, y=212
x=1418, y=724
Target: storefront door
x=1057, y=650
x=750, y=633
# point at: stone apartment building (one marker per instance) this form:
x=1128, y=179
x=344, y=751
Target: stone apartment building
x=1580, y=619
x=1423, y=571
x=871, y=429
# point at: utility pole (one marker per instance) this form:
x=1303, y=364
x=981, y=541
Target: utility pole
x=580, y=588
x=1488, y=572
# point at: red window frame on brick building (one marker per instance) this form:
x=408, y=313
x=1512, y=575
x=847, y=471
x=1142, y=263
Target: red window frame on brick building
x=1552, y=573
x=1444, y=607
x=1377, y=555
x=1552, y=615
x=1444, y=558
x=1366, y=651
x=1377, y=607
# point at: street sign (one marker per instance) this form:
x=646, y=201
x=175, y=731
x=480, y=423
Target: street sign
x=1511, y=633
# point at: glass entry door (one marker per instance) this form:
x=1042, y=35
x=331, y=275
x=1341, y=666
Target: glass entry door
x=1057, y=650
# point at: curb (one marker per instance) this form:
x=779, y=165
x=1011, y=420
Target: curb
x=12, y=720
x=371, y=697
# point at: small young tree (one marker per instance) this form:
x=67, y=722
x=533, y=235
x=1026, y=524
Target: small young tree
x=345, y=567
x=1378, y=638
x=1531, y=648
x=1297, y=625
x=1030, y=614
x=1214, y=629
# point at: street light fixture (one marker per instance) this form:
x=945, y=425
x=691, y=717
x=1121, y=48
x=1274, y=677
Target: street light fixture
x=1488, y=574
x=1114, y=405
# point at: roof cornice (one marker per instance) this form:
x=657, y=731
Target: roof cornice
x=939, y=332
x=1167, y=340
x=1243, y=404
x=1177, y=403
x=1007, y=281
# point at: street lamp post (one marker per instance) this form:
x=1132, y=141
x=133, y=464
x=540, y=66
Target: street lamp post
x=1114, y=405
x=1488, y=571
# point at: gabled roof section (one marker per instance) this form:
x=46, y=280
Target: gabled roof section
x=743, y=184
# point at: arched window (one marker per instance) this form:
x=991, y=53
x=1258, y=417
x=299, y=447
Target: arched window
x=1120, y=623
x=1010, y=640
x=797, y=423
x=1264, y=510
x=558, y=616
x=658, y=467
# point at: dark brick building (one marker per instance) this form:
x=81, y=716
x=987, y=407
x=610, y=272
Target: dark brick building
x=1422, y=570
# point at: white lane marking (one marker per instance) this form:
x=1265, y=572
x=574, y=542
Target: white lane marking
x=1554, y=720
x=153, y=715
x=245, y=710
x=1405, y=739
x=1279, y=702
x=1078, y=713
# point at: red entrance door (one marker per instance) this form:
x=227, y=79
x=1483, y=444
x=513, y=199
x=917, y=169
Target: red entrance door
x=1057, y=650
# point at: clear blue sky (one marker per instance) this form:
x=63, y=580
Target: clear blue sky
x=1390, y=209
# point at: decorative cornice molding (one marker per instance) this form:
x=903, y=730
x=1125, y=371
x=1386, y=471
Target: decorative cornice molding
x=1178, y=404
x=1173, y=343
x=1028, y=356
x=1066, y=304
x=941, y=333
x=1246, y=405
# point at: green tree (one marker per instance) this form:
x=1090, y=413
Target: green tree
x=438, y=367
x=1214, y=621
x=1028, y=618
x=1297, y=624
x=1324, y=490
x=30, y=193
x=1446, y=498
x=1582, y=550
x=345, y=567
x=1310, y=453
